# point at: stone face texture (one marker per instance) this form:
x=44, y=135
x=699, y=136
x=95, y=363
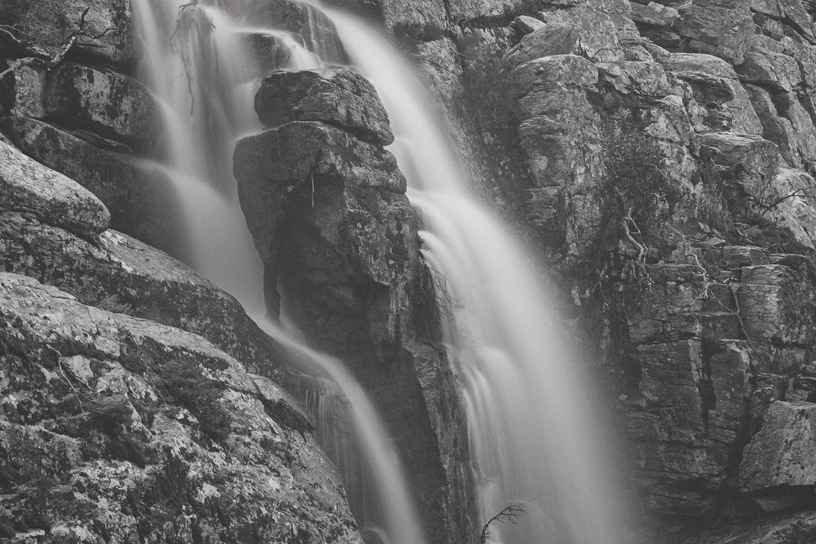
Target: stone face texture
x=336, y=96
x=167, y=430
x=778, y=304
x=726, y=88
x=560, y=39
x=114, y=105
x=124, y=403
x=723, y=103
x=559, y=128
x=317, y=30
x=721, y=28
x=784, y=451
x=714, y=339
x=271, y=166
x=28, y=186
x=23, y=92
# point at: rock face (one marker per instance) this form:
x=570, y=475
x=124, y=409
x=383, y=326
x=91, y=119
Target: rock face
x=27, y=186
x=128, y=413
x=140, y=200
x=85, y=121
x=706, y=311
x=106, y=24
x=330, y=218
x=304, y=20
x=121, y=428
x=116, y=106
x=658, y=153
x=335, y=96
x=784, y=451
x=118, y=271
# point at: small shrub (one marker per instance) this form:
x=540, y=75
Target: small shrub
x=488, y=87
x=635, y=187
x=184, y=383
x=637, y=202
x=112, y=304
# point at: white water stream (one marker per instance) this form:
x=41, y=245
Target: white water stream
x=535, y=439
x=204, y=77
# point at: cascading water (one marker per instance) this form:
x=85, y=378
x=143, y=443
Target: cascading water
x=203, y=80
x=389, y=512
x=535, y=441
x=204, y=77
x=531, y=434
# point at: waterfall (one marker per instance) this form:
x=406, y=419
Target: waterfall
x=536, y=441
x=199, y=65
x=390, y=512
x=204, y=81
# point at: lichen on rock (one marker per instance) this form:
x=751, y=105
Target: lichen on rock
x=119, y=428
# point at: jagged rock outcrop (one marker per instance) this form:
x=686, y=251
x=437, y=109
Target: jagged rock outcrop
x=113, y=105
x=128, y=413
x=85, y=120
x=699, y=297
x=783, y=453
x=102, y=101
x=115, y=270
x=335, y=96
x=330, y=218
x=301, y=19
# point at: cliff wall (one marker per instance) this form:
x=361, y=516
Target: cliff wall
x=659, y=156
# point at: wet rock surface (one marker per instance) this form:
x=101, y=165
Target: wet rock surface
x=339, y=241
x=139, y=198
x=702, y=321
x=128, y=414
x=114, y=105
x=315, y=29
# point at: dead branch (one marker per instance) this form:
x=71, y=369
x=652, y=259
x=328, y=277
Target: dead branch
x=509, y=514
x=627, y=220
x=768, y=207
x=59, y=56
x=184, y=25
x=72, y=38
x=17, y=63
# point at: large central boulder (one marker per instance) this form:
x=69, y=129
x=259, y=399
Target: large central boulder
x=327, y=208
